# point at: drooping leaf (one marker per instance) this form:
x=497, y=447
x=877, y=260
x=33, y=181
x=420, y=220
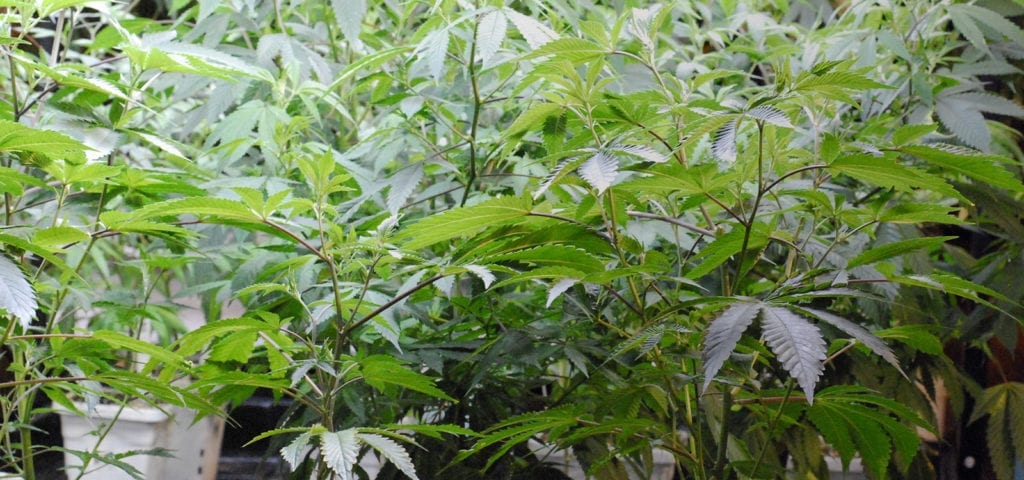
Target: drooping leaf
x=391, y=451
x=17, y=296
x=340, y=450
x=723, y=334
x=461, y=222
x=971, y=163
x=894, y=249
x=856, y=331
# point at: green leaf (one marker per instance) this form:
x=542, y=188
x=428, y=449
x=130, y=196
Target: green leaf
x=555, y=255
x=17, y=297
x=56, y=237
x=885, y=172
x=726, y=246
x=234, y=347
x=157, y=355
x=916, y=336
x=15, y=137
x=894, y=249
x=574, y=50
x=379, y=371
x=211, y=208
x=972, y=164
x=532, y=118
x=466, y=221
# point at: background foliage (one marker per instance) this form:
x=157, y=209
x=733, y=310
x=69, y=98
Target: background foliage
x=474, y=227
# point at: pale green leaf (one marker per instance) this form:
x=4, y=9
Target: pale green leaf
x=797, y=344
x=340, y=450
x=723, y=334
x=392, y=452
x=17, y=296
x=600, y=171
x=490, y=32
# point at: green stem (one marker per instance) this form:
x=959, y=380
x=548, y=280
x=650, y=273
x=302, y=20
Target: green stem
x=723, y=436
x=749, y=226
x=477, y=105
x=773, y=423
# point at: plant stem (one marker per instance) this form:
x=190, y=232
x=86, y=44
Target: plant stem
x=773, y=423
x=749, y=224
x=723, y=437
x=475, y=122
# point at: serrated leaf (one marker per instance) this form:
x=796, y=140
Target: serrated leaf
x=770, y=114
x=481, y=272
x=234, y=347
x=723, y=146
x=350, y=14
x=15, y=137
x=403, y=184
x=894, y=249
x=971, y=163
x=392, y=451
x=963, y=118
x=553, y=254
x=379, y=371
x=563, y=168
x=56, y=237
x=490, y=32
x=535, y=33
x=340, y=450
x=723, y=334
x=532, y=119
x=600, y=171
x=797, y=344
x=856, y=331
x=17, y=296
x=885, y=172
x=558, y=289
x=640, y=151
x=573, y=50
x=725, y=246
x=987, y=102
x=433, y=50
x=466, y=221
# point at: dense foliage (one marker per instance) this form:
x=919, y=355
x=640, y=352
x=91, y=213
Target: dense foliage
x=722, y=230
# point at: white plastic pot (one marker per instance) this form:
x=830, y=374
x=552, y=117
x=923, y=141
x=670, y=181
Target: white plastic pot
x=195, y=447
